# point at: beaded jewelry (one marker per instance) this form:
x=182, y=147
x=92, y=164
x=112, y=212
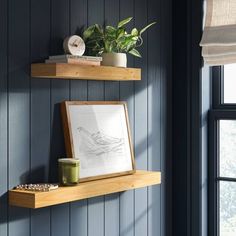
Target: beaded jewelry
x=37, y=187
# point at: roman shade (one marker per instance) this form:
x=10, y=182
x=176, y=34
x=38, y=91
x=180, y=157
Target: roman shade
x=219, y=35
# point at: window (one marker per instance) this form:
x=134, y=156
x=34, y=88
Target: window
x=222, y=158
x=229, y=84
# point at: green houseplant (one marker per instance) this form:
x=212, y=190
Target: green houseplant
x=112, y=43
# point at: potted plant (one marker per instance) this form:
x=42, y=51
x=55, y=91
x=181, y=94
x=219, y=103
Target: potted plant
x=112, y=43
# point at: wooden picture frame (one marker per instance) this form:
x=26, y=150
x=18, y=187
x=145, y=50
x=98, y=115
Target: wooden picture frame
x=83, y=122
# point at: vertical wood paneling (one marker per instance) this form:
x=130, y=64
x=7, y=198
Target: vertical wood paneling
x=112, y=215
x=40, y=111
x=96, y=92
x=30, y=116
x=59, y=92
x=154, y=115
x=40, y=93
x=141, y=122
x=78, y=22
x=111, y=18
x=19, y=109
x=79, y=209
x=127, y=94
x=3, y=118
x=40, y=222
x=78, y=218
x=96, y=216
x=60, y=220
x=95, y=15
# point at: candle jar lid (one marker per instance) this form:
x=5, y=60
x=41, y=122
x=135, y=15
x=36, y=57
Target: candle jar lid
x=69, y=161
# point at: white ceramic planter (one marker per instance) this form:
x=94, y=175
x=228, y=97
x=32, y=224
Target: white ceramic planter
x=114, y=59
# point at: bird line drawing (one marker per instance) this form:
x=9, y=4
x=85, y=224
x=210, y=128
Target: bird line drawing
x=99, y=143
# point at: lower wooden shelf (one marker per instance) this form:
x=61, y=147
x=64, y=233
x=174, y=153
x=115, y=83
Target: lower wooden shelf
x=84, y=190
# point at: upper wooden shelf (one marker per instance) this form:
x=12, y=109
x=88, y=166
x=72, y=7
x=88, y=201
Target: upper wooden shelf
x=84, y=190
x=73, y=71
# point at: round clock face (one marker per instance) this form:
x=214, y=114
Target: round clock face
x=74, y=45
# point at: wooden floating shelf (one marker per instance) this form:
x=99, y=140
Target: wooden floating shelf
x=84, y=190
x=86, y=72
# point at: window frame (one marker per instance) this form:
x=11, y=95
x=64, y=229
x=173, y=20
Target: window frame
x=218, y=90
x=219, y=111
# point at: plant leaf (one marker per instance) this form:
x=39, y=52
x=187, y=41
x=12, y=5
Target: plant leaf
x=131, y=45
x=110, y=30
x=135, y=53
x=124, y=22
x=134, y=32
x=100, y=39
x=145, y=28
x=135, y=38
x=120, y=32
x=88, y=32
x=98, y=28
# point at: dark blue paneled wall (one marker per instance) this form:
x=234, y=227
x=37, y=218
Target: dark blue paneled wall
x=31, y=137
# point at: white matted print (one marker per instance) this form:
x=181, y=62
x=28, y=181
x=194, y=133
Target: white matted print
x=100, y=137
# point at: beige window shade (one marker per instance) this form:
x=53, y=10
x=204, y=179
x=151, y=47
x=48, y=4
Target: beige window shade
x=219, y=35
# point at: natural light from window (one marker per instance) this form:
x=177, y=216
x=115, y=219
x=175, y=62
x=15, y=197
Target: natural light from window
x=227, y=161
x=230, y=83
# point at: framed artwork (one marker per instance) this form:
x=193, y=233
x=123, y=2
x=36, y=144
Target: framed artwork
x=98, y=133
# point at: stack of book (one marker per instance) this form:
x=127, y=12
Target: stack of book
x=71, y=59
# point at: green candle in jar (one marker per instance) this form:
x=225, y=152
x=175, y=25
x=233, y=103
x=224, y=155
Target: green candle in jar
x=68, y=171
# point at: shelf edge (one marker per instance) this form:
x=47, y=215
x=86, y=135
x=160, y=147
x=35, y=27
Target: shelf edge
x=73, y=71
x=84, y=190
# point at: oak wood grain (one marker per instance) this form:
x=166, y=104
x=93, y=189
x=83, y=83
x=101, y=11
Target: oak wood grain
x=71, y=71
x=84, y=190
